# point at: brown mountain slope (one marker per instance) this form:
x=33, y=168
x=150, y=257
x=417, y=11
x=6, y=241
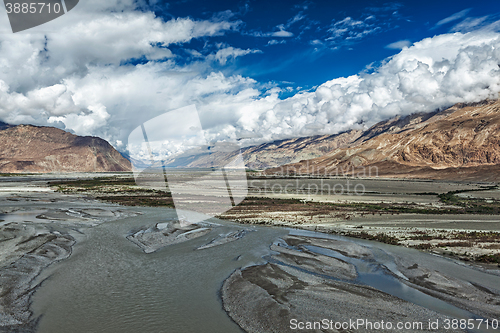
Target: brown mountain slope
x=453, y=144
x=294, y=150
x=271, y=154
x=27, y=148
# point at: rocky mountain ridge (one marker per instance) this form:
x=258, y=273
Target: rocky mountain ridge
x=27, y=148
x=270, y=154
x=461, y=142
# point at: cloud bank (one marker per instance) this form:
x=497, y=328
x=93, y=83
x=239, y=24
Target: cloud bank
x=432, y=74
x=104, y=72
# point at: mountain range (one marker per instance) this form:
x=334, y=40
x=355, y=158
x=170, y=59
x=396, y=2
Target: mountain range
x=461, y=142
x=270, y=154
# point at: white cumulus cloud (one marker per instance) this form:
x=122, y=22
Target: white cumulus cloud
x=230, y=52
x=432, y=74
x=399, y=45
x=80, y=77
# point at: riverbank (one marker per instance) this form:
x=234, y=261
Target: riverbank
x=456, y=219
x=328, y=285
x=37, y=229
x=471, y=238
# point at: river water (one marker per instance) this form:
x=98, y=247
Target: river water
x=109, y=285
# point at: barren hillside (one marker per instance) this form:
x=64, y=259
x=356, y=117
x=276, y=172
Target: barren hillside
x=460, y=142
x=27, y=148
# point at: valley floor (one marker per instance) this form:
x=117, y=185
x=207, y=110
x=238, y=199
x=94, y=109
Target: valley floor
x=447, y=218
x=456, y=219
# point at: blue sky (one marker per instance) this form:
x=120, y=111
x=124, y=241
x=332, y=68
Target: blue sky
x=317, y=48
x=256, y=71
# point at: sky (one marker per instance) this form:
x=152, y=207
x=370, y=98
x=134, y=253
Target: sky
x=256, y=71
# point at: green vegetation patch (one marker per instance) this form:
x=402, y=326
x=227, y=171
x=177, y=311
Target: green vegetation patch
x=380, y=237
x=472, y=205
x=489, y=258
x=104, y=185
x=423, y=246
x=137, y=200
x=94, y=183
x=478, y=236
x=118, y=190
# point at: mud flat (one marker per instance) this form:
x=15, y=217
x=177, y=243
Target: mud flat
x=21, y=264
x=38, y=228
x=225, y=238
x=169, y=233
x=164, y=234
x=268, y=299
x=310, y=279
